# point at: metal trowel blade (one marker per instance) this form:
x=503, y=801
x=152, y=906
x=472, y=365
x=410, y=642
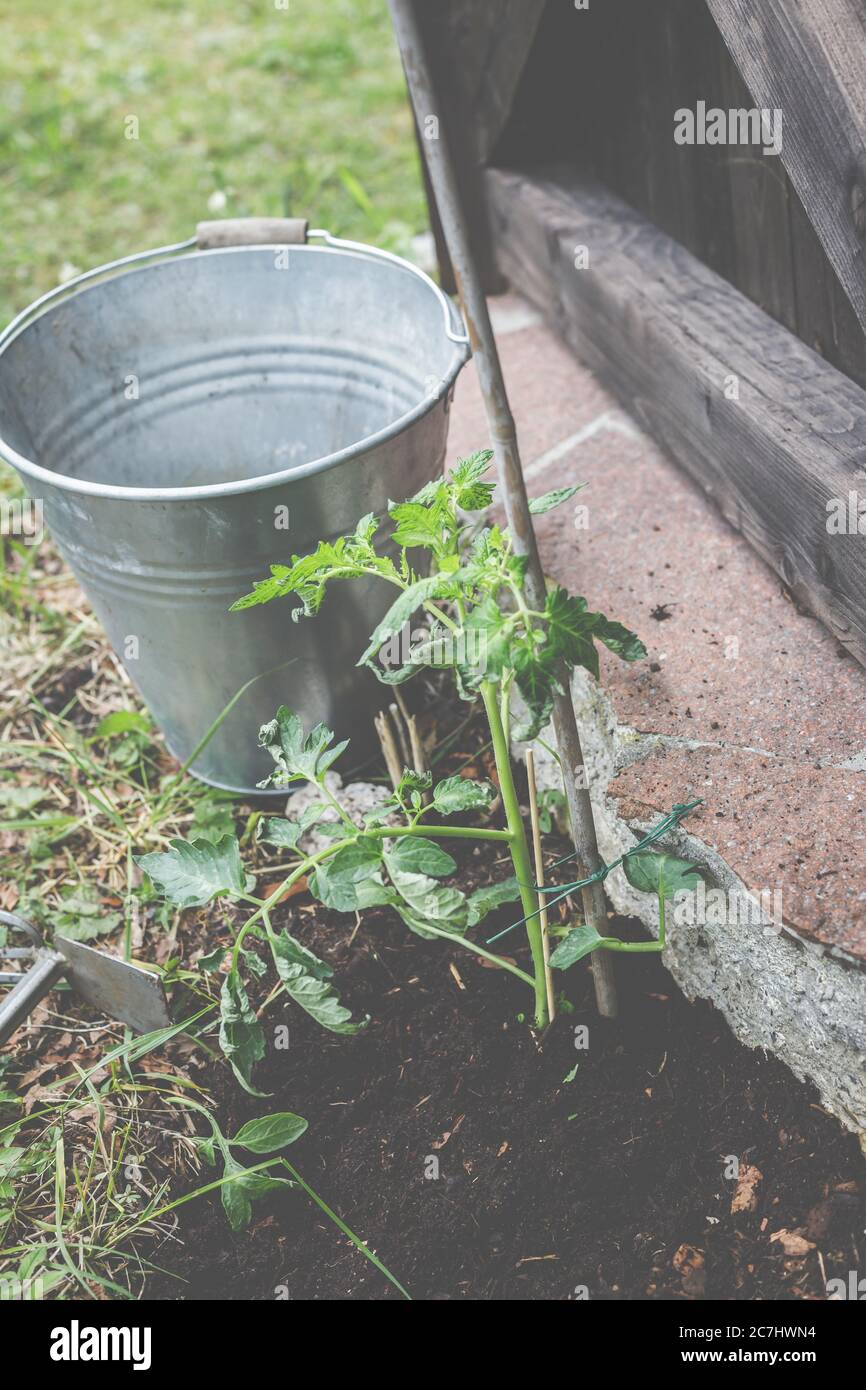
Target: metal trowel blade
x=116, y=987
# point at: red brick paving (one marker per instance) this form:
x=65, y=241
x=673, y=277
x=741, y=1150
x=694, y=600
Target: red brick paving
x=775, y=705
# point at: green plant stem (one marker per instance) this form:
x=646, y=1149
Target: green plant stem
x=480, y=951
x=523, y=868
x=379, y=832
x=636, y=947
x=356, y=1240
x=457, y=832
x=309, y=863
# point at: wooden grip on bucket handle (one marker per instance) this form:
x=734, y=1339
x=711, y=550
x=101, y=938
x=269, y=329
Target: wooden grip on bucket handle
x=251, y=231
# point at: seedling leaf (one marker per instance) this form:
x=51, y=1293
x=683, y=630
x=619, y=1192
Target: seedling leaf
x=270, y=1133
x=485, y=900
x=461, y=794
x=549, y=500
x=240, y=1036
x=192, y=874
x=652, y=872
x=306, y=980
x=417, y=855
x=579, y=942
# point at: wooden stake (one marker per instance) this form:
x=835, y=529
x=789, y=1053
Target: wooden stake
x=503, y=436
x=539, y=878
x=388, y=744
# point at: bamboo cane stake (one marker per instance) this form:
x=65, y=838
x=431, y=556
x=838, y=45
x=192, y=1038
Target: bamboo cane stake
x=539, y=879
x=504, y=439
x=388, y=744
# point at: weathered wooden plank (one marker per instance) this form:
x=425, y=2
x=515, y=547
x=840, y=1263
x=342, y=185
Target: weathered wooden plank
x=825, y=318
x=767, y=428
x=760, y=191
x=808, y=59
x=488, y=43
x=477, y=53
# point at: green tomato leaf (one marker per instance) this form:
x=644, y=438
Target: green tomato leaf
x=420, y=525
x=415, y=855
x=410, y=783
x=406, y=603
x=240, y=1036
x=349, y=557
x=465, y=481
x=485, y=900
x=347, y=881
x=298, y=756
x=461, y=794
x=486, y=642
x=653, y=872
x=288, y=951
x=579, y=942
x=213, y=960
x=623, y=643
x=236, y=1203
x=270, y=1133
x=570, y=629
x=305, y=979
x=549, y=500
x=276, y=830
x=424, y=900
x=191, y=874
x=535, y=674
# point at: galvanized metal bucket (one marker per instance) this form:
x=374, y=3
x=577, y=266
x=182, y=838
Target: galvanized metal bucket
x=189, y=416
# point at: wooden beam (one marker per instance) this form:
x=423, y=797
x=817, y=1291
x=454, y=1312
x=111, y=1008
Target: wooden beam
x=768, y=429
x=807, y=58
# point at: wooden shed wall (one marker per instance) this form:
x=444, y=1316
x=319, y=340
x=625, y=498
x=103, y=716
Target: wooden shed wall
x=599, y=93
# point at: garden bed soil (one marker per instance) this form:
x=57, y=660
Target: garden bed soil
x=607, y=1181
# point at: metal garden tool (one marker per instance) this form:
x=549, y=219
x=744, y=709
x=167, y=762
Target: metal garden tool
x=118, y=988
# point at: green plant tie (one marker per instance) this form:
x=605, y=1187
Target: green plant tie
x=563, y=890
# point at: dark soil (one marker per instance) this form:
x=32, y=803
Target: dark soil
x=612, y=1180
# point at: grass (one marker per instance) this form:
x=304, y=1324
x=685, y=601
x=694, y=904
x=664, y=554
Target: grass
x=297, y=110
x=242, y=108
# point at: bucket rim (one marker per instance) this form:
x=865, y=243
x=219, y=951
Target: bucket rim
x=116, y=269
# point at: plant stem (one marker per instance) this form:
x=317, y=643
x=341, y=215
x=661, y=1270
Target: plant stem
x=309, y=863
x=519, y=848
x=644, y=946
x=480, y=951
x=457, y=832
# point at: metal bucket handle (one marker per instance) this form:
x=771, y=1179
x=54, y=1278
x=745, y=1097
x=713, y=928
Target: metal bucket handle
x=238, y=231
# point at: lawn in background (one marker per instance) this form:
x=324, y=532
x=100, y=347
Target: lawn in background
x=243, y=107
